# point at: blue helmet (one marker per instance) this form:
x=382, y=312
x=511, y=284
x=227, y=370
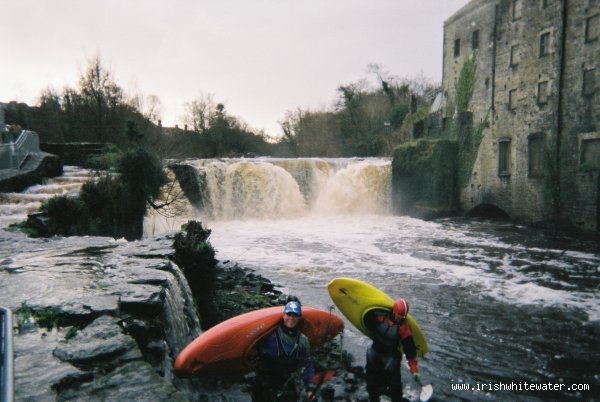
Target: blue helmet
x=293, y=307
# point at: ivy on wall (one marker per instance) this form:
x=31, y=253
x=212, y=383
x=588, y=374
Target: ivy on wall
x=462, y=129
x=469, y=140
x=466, y=84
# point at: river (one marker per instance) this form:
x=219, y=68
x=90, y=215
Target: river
x=502, y=305
x=497, y=305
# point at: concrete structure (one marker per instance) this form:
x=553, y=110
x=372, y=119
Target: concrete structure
x=22, y=164
x=538, y=84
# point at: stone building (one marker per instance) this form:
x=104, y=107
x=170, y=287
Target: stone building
x=537, y=92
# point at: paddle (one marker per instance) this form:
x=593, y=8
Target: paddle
x=321, y=378
x=426, y=391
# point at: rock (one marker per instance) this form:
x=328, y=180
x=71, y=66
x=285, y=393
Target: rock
x=102, y=340
x=143, y=300
x=192, y=183
x=120, y=312
x=38, y=374
x=134, y=312
x=135, y=381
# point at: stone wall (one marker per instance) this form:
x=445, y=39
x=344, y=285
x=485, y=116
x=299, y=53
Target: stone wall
x=531, y=63
x=424, y=179
x=36, y=168
x=580, y=116
x=476, y=16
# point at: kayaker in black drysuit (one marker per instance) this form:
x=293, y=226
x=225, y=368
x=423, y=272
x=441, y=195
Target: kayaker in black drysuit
x=283, y=355
x=389, y=329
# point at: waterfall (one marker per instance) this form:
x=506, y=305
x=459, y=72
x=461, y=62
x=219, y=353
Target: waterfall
x=270, y=188
x=363, y=187
x=180, y=315
x=14, y=207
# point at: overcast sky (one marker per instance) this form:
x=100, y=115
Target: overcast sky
x=258, y=57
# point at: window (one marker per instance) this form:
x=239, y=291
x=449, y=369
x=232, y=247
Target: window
x=536, y=155
x=545, y=44
x=456, y=47
x=512, y=99
x=542, y=94
x=517, y=9
x=475, y=40
x=590, y=153
x=503, y=156
x=514, y=55
x=592, y=28
x=589, y=82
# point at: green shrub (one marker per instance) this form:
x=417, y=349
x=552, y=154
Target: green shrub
x=47, y=317
x=69, y=215
x=107, y=160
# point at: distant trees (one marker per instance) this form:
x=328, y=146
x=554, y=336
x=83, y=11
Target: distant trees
x=220, y=134
x=311, y=133
x=100, y=102
x=364, y=121
x=148, y=105
x=97, y=110
x=199, y=113
x=50, y=113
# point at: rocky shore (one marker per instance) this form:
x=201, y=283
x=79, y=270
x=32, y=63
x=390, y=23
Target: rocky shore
x=100, y=320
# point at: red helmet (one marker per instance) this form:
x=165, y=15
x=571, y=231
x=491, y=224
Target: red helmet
x=400, y=309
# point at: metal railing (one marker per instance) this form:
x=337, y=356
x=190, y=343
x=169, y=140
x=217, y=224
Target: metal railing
x=13, y=153
x=7, y=364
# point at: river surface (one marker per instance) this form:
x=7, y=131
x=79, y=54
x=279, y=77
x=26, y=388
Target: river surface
x=501, y=305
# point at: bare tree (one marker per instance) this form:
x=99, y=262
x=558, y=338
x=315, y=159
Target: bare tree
x=200, y=113
x=149, y=106
x=100, y=102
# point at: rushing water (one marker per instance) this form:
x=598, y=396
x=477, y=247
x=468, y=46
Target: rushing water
x=495, y=305
x=14, y=207
x=500, y=304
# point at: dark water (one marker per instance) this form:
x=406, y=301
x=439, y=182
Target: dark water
x=502, y=305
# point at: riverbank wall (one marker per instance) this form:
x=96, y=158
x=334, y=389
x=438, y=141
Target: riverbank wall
x=424, y=179
x=37, y=167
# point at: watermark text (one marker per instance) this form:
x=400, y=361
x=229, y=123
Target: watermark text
x=519, y=386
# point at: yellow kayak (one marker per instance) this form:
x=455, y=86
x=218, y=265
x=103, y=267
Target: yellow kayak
x=355, y=298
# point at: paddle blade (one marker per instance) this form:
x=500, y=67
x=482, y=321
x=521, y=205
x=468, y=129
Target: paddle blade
x=321, y=378
x=426, y=392
x=328, y=376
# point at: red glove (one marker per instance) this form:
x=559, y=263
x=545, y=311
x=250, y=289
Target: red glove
x=412, y=365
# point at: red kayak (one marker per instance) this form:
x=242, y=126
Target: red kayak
x=228, y=346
